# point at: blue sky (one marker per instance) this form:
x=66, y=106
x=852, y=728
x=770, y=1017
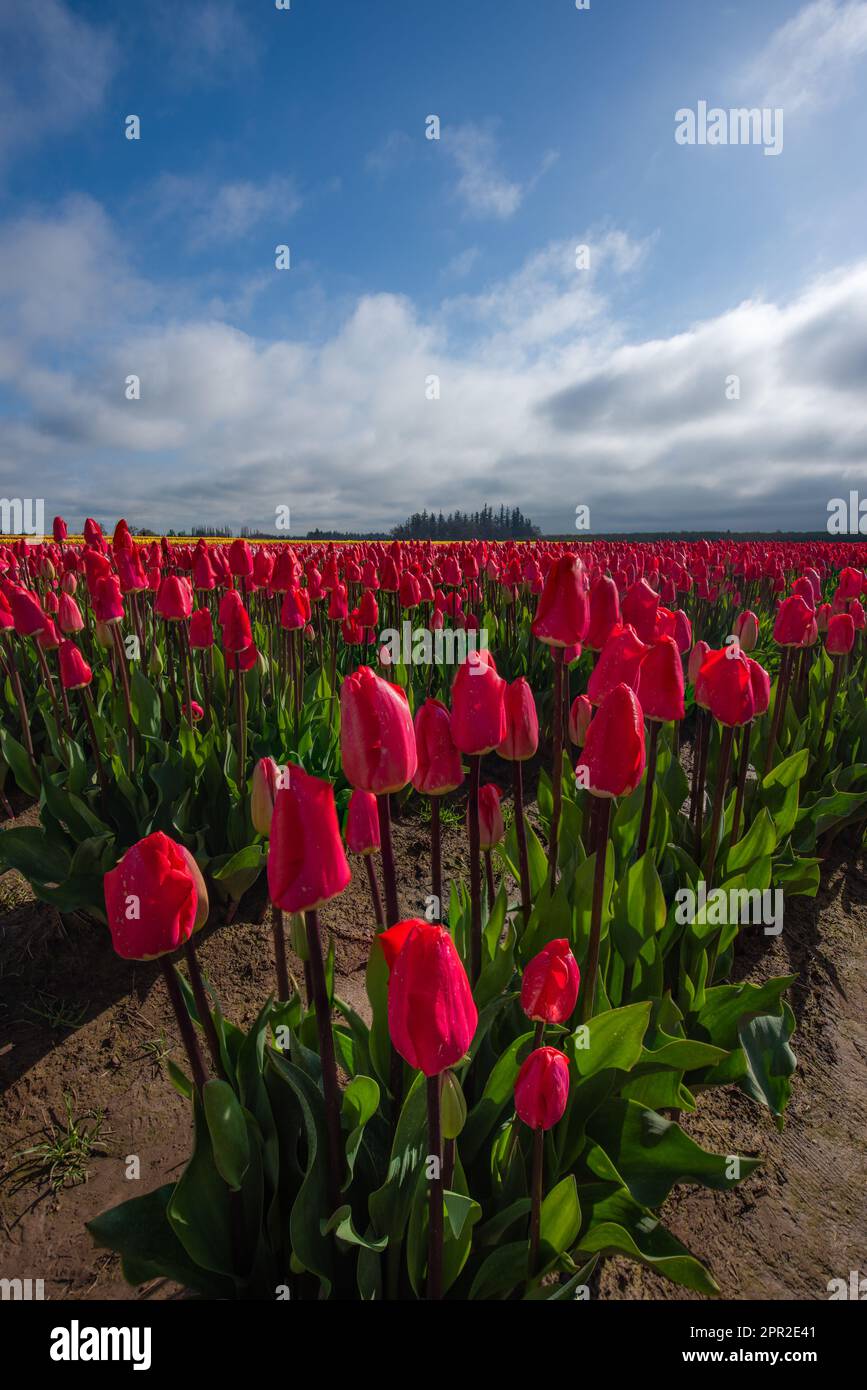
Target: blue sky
x=606, y=385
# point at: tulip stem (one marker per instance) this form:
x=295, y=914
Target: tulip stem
x=647, y=807
x=779, y=705
x=521, y=834
x=435, y=1213
x=242, y=728
x=185, y=1023
x=120, y=651
x=722, y=777
x=489, y=875
x=603, y=820
x=536, y=1183
x=375, y=895
x=330, y=1087
x=743, y=768
x=831, y=700
x=184, y=646
x=392, y=908
x=539, y=1034
x=557, y=770
x=436, y=855
x=701, y=773
x=206, y=687
x=475, y=872
x=46, y=676
x=280, y=969
x=203, y=1007
x=87, y=703
x=22, y=704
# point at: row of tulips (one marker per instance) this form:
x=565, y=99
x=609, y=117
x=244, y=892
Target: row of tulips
x=507, y=1110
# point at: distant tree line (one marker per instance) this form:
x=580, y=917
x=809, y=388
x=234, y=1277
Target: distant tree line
x=507, y=524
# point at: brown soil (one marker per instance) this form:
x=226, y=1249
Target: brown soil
x=784, y=1233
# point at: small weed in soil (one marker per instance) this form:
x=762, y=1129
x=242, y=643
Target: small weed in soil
x=61, y=1159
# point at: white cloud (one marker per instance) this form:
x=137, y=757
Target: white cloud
x=55, y=72
x=809, y=60
x=224, y=212
x=482, y=186
x=547, y=399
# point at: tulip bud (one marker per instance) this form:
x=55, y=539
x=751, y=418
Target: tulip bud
x=453, y=1106
x=491, y=828
x=266, y=780
x=579, y=720
x=747, y=630
x=102, y=635
x=697, y=658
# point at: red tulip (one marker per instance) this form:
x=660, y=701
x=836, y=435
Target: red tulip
x=542, y=1088
x=107, y=600
x=724, y=686
x=522, y=722
x=240, y=559
x=431, y=1013
x=439, y=768
x=660, y=682
x=618, y=664
x=640, y=605
x=579, y=719
x=26, y=612
x=235, y=622
x=74, y=670
x=760, y=683
x=549, y=987
x=604, y=612
x=793, y=621
x=478, y=706
x=850, y=583
x=563, y=612
x=306, y=860
x=393, y=940
x=362, y=823
x=174, y=602
x=295, y=611
x=841, y=635
x=150, y=899
x=377, y=740
x=491, y=829
x=201, y=629
x=613, y=756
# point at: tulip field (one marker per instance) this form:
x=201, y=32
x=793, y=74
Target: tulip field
x=637, y=755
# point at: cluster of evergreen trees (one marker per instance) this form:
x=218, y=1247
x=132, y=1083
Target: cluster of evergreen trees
x=508, y=524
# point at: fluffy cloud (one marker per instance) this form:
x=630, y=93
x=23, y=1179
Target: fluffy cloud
x=546, y=398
